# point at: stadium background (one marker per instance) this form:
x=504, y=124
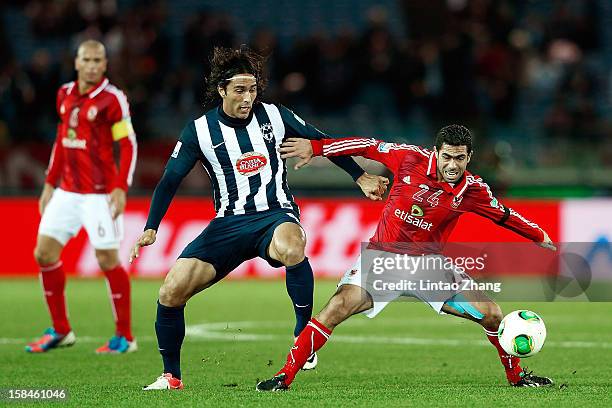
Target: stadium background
x=531, y=78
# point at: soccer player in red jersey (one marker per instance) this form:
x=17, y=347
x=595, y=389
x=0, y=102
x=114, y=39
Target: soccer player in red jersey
x=84, y=188
x=431, y=190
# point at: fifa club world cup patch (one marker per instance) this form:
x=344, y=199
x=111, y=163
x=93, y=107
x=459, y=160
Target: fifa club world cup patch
x=251, y=163
x=267, y=131
x=384, y=147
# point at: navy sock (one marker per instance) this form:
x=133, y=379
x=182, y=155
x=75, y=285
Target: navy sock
x=300, y=287
x=170, y=330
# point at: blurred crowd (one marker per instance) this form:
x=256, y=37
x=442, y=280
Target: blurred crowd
x=481, y=62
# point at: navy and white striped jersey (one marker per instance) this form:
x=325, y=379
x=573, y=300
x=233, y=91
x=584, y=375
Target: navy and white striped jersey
x=241, y=157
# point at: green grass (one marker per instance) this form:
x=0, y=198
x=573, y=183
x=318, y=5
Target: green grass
x=222, y=362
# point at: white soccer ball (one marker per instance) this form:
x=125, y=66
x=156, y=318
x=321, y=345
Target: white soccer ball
x=522, y=333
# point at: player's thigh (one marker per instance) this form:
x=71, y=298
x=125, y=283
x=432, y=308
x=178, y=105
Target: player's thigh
x=103, y=231
x=287, y=243
x=187, y=277
x=61, y=219
x=48, y=250
x=348, y=300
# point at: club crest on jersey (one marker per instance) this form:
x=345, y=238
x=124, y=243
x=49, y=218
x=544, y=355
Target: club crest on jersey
x=62, y=109
x=251, y=163
x=456, y=202
x=267, y=131
x=92, y=112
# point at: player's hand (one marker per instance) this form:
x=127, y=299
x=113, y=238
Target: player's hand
x=117, y=202
x=547, y=242
x=296, y=147
x=45, y=196
x=147, y=238
x=374, y=187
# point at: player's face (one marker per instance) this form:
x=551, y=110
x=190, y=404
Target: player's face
x=452, y=162
x=90, y=64
x=239, y=95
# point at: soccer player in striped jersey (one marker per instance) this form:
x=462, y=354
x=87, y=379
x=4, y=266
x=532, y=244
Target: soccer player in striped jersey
x=431, y=189
x=84, y=188
x=237, y=143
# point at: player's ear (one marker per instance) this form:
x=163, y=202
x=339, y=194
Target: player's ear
x=221, y=91
x=469, y=157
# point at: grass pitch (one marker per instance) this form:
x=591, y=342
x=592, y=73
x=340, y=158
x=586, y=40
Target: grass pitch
x=239, y=332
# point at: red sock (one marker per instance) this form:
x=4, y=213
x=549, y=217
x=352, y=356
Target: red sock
x=311, y=339
x=119, y=288
x=53, y=282
x=510, y=363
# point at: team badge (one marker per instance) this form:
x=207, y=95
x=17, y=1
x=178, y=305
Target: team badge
x=456, y=202
x=92, y=112
x=251, y=163
x=267, y=132
x=62, y=109
x=353, y=272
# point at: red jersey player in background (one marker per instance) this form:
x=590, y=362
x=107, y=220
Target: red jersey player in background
x=431, y=190
x=84, y=188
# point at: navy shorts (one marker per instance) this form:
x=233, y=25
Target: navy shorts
x=229, y=241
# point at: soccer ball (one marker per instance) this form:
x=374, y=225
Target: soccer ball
x=522, y=333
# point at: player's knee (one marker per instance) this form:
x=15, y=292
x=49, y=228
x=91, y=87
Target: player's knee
x=291, y=252
x=107, y=260
x=493, y=317
x=44, y=256
x=172, y=294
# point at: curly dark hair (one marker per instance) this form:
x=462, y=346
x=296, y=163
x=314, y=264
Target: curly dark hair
x=454, y=135
x=227, y=62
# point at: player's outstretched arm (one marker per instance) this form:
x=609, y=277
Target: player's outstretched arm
x=374, y=187
x=483, y=203
x=147, y=238
x=547, y=242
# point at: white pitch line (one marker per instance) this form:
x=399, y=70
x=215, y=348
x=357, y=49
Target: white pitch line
x=233, y=331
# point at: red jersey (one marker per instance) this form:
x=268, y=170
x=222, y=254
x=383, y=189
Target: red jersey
x=82, y=155
x=420, y=209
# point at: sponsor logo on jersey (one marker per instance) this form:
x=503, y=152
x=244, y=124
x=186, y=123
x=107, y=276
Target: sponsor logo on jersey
x=494, y=203
x=417, y=221
x=416, y=211
x=92, y=112
x=176, y=150
x=71, y=141
x=267, y=131
x=251, y=163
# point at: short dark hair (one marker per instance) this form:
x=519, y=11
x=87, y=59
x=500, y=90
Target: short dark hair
x=454, y=135
x=227, y=62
